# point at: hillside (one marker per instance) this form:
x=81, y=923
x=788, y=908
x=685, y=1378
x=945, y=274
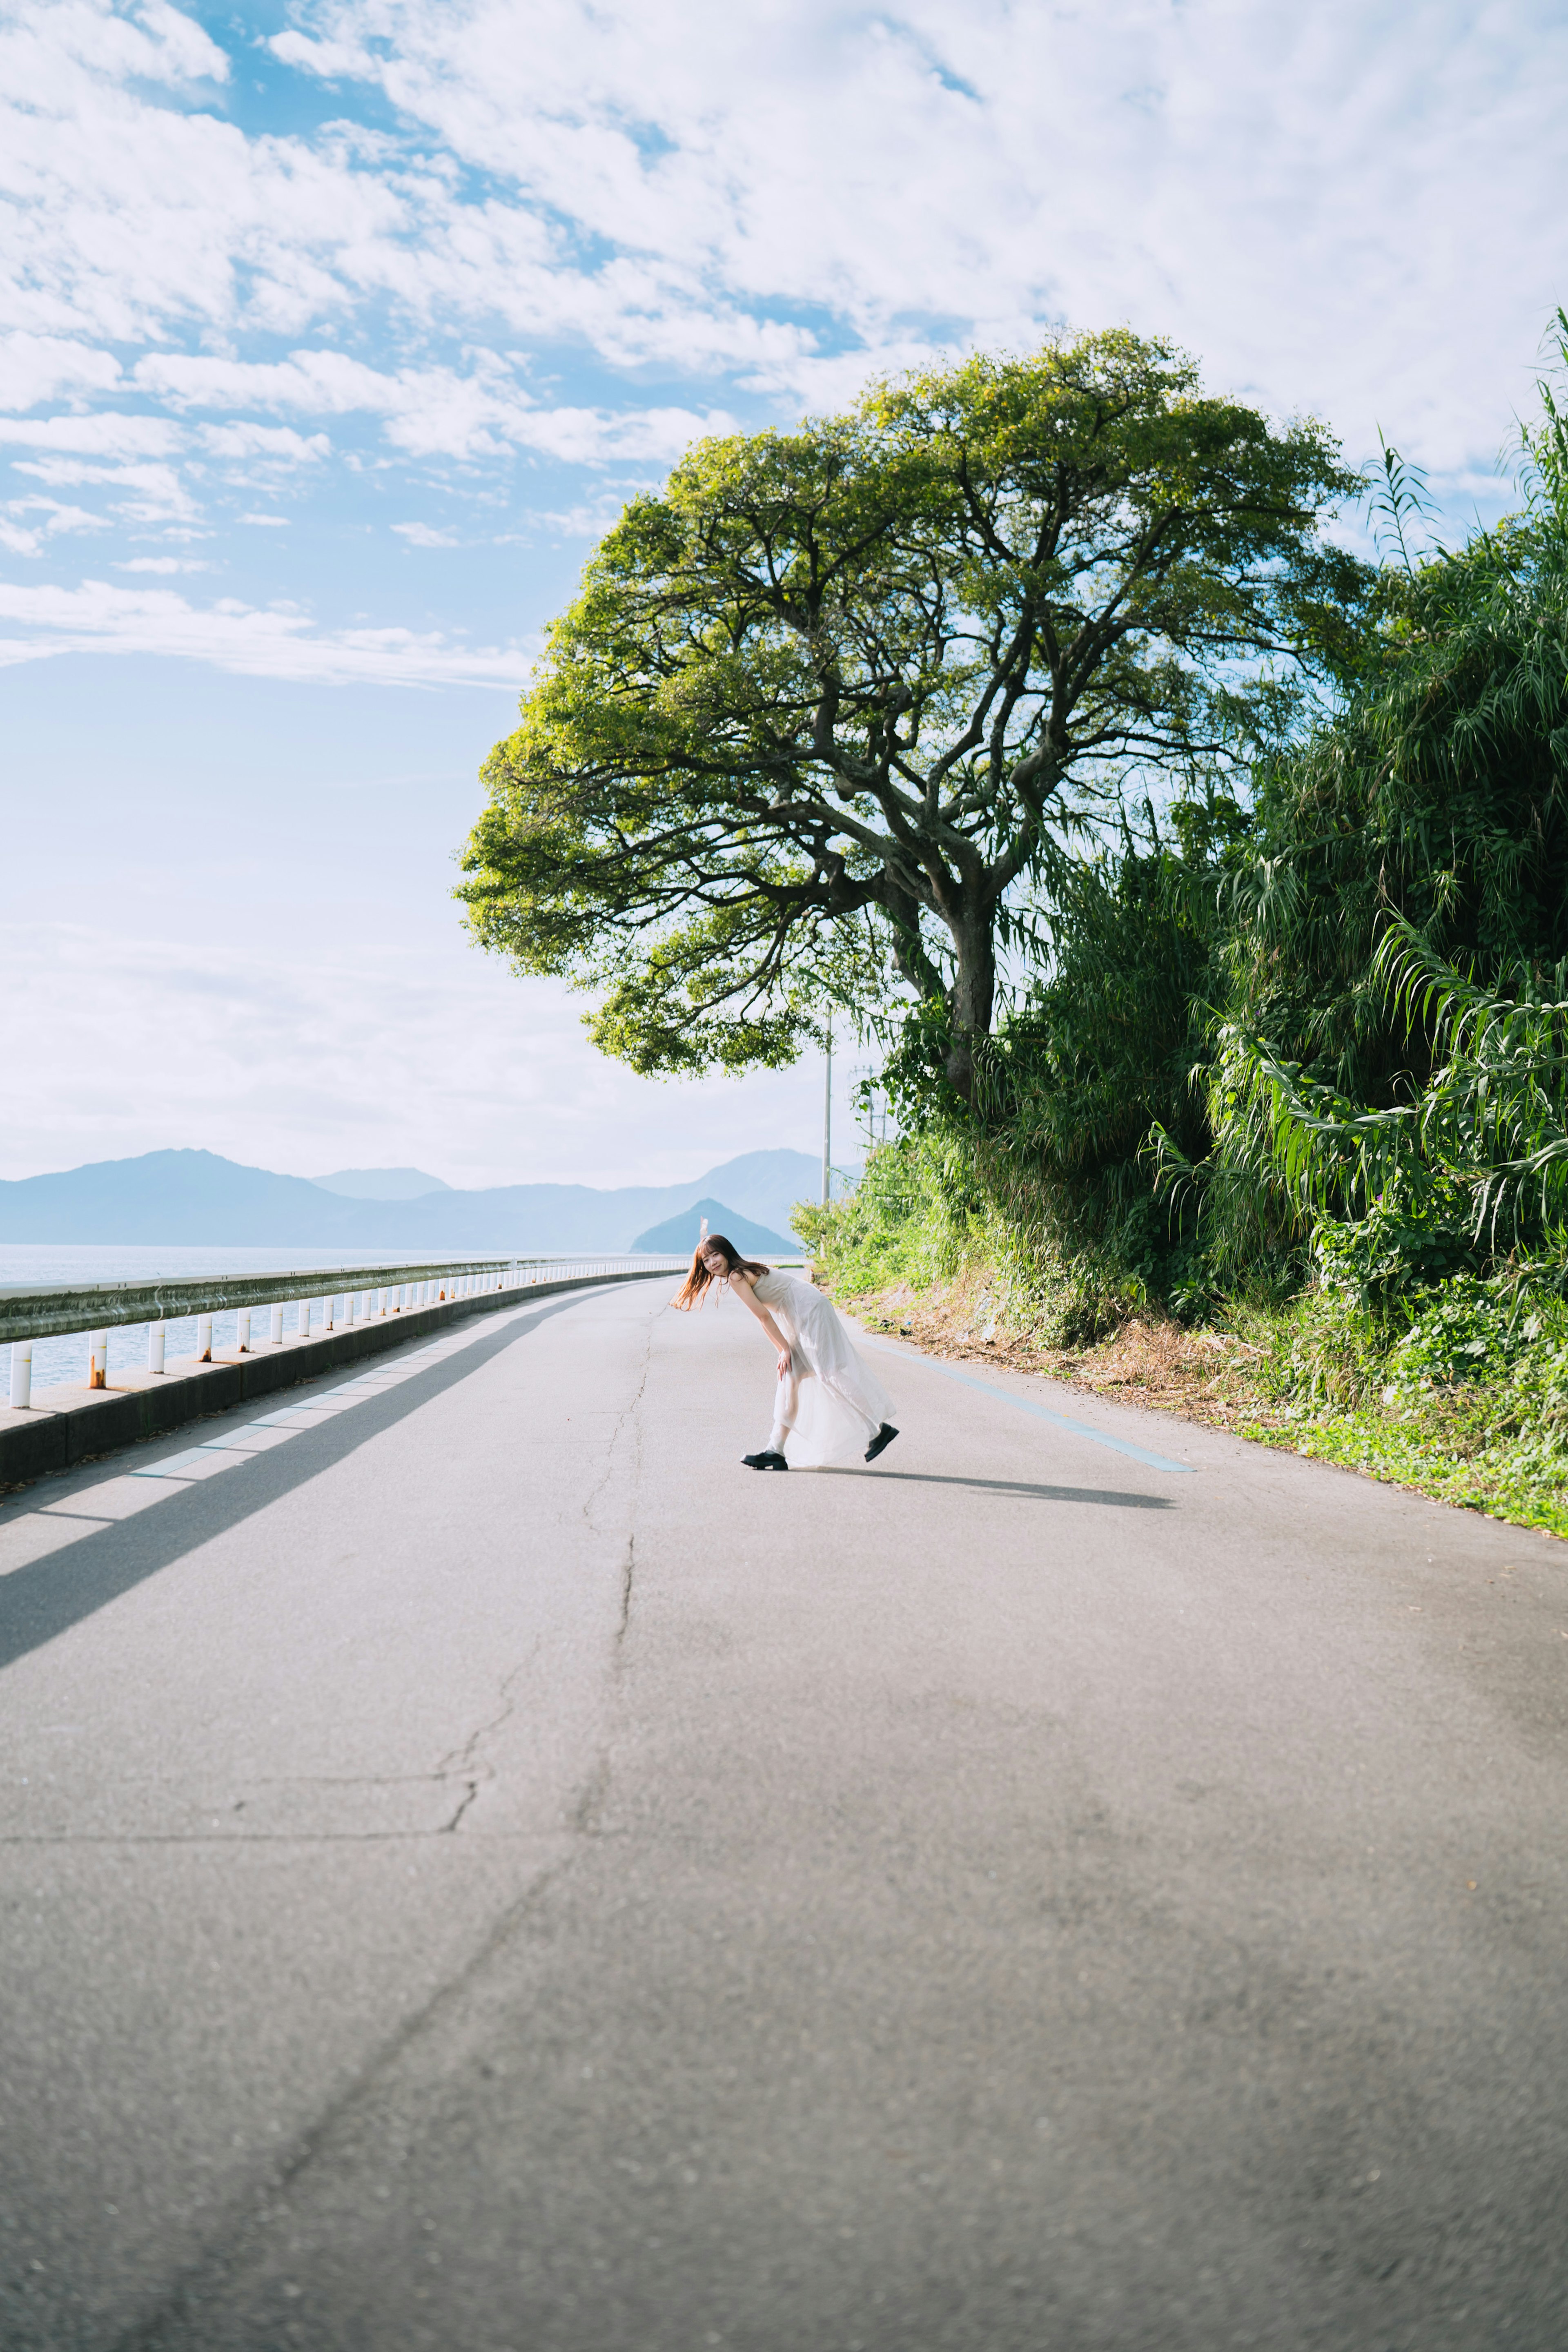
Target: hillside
x=189, y=1198
x=684, y=1232
x=381, y=1183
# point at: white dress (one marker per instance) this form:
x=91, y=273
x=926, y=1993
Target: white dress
x=832, y=1404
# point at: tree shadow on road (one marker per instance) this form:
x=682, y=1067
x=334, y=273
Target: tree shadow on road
x=57, y=1592
x=1107, y=1494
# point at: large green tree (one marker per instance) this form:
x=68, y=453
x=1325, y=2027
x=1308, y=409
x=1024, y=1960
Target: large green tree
x=824, y=707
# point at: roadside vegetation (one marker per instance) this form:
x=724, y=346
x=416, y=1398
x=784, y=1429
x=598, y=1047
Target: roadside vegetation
x=1205, y=890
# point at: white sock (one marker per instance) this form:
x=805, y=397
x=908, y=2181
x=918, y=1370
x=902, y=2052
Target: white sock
x=776, y=1437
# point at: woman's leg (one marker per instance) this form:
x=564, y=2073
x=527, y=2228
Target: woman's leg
x=787, y=1405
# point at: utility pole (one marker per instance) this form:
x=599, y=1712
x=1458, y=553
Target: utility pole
x=828, y=1122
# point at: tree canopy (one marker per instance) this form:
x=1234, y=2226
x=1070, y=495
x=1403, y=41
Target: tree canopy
x=825, y=706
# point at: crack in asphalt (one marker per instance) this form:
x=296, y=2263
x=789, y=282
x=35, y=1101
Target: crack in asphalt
x=471, y=1791
x=255, y=2208
x=261, y=2206
x=584, y=1813
x=627, y=1412
x=627, y=1565
x=458, y=1760
x=450, y=1769
x=586, y=1810
x=258, y=1837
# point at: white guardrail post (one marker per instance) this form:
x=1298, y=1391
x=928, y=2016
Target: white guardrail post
x=32, y=1311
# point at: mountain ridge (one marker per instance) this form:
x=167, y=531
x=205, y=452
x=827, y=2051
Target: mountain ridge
x=381, y=1183
x=187, y=1198
x=683, y=1231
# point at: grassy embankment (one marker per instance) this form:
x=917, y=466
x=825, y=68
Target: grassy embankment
x=1460, y=1391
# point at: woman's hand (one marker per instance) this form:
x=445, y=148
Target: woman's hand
x=784, y=1362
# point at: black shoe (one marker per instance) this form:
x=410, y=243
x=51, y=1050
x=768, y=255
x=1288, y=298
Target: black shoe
x=765, y=1462
x=880, y=1442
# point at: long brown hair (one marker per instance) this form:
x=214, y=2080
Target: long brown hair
x=713, y=1260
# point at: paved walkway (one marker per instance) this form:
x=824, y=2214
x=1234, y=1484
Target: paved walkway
x=483, y=1871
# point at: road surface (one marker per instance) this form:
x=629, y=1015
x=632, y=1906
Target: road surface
x=482, y=1871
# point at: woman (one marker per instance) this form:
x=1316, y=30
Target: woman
x=829, y=1404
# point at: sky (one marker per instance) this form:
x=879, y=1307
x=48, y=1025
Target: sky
x=333, y=334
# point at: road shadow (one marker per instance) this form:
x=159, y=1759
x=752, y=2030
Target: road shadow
x=1107, y=1494
x=52, y=1594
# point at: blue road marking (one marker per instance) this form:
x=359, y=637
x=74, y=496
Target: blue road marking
x=1042, y=1412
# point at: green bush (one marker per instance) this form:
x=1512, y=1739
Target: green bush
x=915, y=1216
x=1304, y=1062
x=1464, y=1395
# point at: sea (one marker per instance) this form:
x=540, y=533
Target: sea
x=59, y=1361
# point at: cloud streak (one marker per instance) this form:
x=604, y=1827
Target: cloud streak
x=99, y=617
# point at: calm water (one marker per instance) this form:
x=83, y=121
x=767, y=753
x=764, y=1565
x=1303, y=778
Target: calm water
x=55, y=1361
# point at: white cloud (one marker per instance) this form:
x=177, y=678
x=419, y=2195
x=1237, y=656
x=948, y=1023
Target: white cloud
x=60, y=517
x=147, y=494
x=1356, y=204
x=428, y=411
x=99, y=617
x=146, y=41
x=320, y=382
x=274, y=445
x=591, y=436
x=162, y=563
x=55, y=517
x=585, y=233
x=104, y=436
x=589, y=520
x=1357, y=209
x=265, y=523
x=419, y=534
x=35, y=368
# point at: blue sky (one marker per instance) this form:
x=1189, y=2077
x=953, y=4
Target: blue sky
x=332, y=333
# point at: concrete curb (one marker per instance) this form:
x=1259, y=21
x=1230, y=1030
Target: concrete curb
x=55, y=1436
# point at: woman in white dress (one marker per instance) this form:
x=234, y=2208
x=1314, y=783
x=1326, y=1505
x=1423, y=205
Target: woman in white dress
x=831, y=1407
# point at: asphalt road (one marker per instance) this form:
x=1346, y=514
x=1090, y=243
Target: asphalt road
x=483, y=1871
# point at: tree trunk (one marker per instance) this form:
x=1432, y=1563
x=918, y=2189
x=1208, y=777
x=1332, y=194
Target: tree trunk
x=971, y=1000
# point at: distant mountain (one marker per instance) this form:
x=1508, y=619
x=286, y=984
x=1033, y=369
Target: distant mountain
x=684, y=1232
x=191, y=1198
x=176, y=1197
x=381, y=1183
